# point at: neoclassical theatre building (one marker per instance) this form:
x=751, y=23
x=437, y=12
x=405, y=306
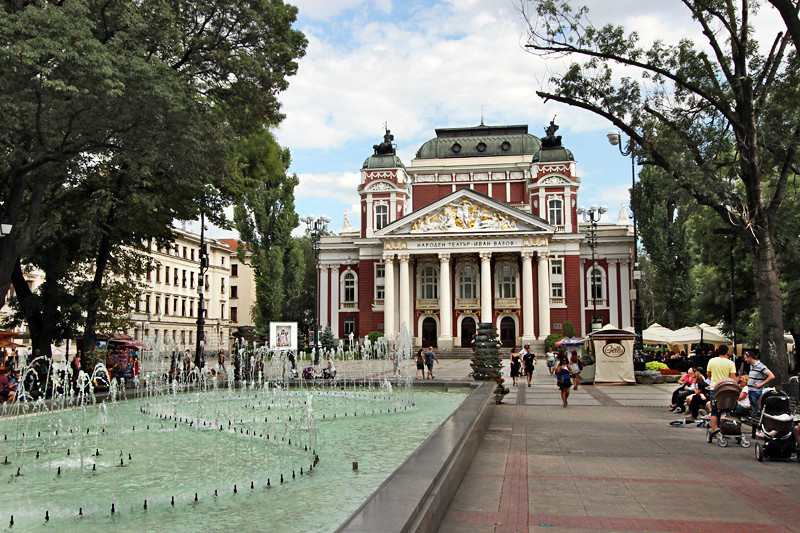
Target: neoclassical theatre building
x=481, y=227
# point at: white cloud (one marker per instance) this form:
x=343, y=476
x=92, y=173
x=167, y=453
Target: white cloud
x=339, y=186
x=325, y=9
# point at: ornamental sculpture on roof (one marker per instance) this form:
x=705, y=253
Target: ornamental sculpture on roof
x=463, y=216
x=386, y=147
x=551, y=140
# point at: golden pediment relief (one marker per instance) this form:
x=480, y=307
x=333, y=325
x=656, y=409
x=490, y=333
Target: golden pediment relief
x=463, y=216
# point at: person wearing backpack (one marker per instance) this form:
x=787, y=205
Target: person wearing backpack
x=563, y=378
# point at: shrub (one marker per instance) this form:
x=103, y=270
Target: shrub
x=373, y=336
x=655, y=365
x=669, y=372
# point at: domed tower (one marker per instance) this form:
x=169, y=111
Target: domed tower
x=554, y=183
x=385, y=188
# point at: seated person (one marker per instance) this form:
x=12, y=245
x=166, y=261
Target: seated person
x=700, y=394
x=7, y=389
x=743, y=407
x=330, y=371
x=682, y=392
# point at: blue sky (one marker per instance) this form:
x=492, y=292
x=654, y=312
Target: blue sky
x=420, y=65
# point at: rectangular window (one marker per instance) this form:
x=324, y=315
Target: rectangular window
x=380, y=281
x=158, y=274
x=158, y=305
x=184, y=252
x=191, y=307
x=183, y=334
x=234, y=314
x=234, y=270
x=222, y=286
x=183, y=307
x=166, y=274
x=175, y=277
x=349, y=325
x=381, y=216
x=184, y=279
x=147, y=304
x=190, y=337
x=192, y=257
x=138, y=304
x=556, y=278
x=234, y=291
x=175, y=306
x=222, y=311
x=223, y=260
x=149, y=275
x=191, y=280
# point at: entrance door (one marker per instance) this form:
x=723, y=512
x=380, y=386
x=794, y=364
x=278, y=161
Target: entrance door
x=429, y=332
x=467, y=331
x=508, y=332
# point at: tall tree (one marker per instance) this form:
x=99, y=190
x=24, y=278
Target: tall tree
x=734, y=129
x=662, y=211
x=265, y=220
x=161, y=88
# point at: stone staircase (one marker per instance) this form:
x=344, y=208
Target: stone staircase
x=455, y=353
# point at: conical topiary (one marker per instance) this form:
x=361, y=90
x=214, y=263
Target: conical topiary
x=486, y=353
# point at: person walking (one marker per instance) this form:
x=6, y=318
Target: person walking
x=551, y=361
x=719, y=368
x=420, y=365
x=529, y=361
x=430, y=357
x=221, y=362
x=563, y=378
x=575, y=367
x=516, y=364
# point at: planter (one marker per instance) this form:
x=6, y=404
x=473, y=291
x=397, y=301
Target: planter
x=671, y=378
x=498, y=400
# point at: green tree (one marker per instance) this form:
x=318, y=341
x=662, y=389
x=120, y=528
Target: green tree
x=265, y=220
x=719, y=119
x=148, y=88
x=569, y=329
x=662, y=211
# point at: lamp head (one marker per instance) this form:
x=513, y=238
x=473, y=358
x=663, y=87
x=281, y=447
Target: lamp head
x=580, y=210
x=593, y=208
x=613, y=137
x=603, y=209
x=303, y=220
x=5, y=229
x=326, y=219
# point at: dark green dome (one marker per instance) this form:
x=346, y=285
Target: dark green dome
x=383, y=161
x=480, y=141
x=552, y=155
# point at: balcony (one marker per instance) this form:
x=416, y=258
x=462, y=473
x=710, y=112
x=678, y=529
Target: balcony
x=506, y=303
x=348, y=306
x=468, y=303
x=427, y=303
x=558, y=301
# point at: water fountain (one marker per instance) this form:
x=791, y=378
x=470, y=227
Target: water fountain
x=177, y=442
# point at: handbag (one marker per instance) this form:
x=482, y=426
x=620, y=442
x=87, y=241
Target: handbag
x=563, y=380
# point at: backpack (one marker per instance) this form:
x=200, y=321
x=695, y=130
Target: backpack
x=563, y=379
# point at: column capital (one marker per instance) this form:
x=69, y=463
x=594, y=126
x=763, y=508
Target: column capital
x=542, y=256
x=388, y=257
x=335, y=268
x=485, y=256
x=526, y=254
x=324, y=268
x=444, y=257
x=404, y=258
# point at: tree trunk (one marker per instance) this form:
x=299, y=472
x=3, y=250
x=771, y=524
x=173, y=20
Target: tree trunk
x=93, y=298
x=766, y=281
x=41, y=316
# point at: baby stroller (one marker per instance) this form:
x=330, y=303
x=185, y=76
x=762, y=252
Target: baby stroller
x=775, y=423
x=724, y=401
x=308, y=372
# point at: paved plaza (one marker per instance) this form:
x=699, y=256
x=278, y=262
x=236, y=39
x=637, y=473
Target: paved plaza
x=611, y=462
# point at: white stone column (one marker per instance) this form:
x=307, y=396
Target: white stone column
x=405, y=294
x=625, y=289
x=543, y=272
x=486, y=287
x=613, y=298
x=335, y=284
x=528, y=333
x=445, y=304
x=388, y=297
x=323, y=296
x=585, y=327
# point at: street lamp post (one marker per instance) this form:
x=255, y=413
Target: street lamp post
x=592, y=217
x=201, y=319
x=316, y=227
x=614, y=139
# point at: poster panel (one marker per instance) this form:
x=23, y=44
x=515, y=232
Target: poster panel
x=614, y=360
x=283, y=335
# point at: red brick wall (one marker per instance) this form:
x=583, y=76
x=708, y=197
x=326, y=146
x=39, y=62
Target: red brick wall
x=367, y=319
x=517, y=192
x=425, y=194
x=482, y=188
x=572, y=291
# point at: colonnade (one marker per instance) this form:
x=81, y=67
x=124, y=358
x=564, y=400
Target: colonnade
x=400, y=297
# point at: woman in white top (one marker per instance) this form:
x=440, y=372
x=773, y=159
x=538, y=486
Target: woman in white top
x=575, y=367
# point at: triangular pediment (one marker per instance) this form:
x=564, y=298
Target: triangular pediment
x=466, y=212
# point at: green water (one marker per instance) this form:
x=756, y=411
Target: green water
x=165, y=458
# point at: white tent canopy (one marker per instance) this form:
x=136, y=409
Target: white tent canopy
x=658, y=334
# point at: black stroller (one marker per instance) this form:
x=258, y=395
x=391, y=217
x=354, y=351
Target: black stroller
x=775, y=423
x=725, y=399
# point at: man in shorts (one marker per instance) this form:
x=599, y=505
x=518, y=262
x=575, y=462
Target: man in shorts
x=551, y=361
x=430, y=357
x=719, y=368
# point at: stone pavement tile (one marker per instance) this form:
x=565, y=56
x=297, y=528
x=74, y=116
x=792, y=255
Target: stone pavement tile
x=450, y=526
x=488, y=463
x=543, y=465
x=482, y=494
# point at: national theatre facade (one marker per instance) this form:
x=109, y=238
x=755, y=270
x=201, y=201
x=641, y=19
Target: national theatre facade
x=481, y=227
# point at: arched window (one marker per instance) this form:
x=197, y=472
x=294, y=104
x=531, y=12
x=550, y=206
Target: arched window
x=349, y=287
x=381, y=216
x=555, y=212
x=429, y=283
x=596, y=281
x=467, y=282
x=507, y=282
